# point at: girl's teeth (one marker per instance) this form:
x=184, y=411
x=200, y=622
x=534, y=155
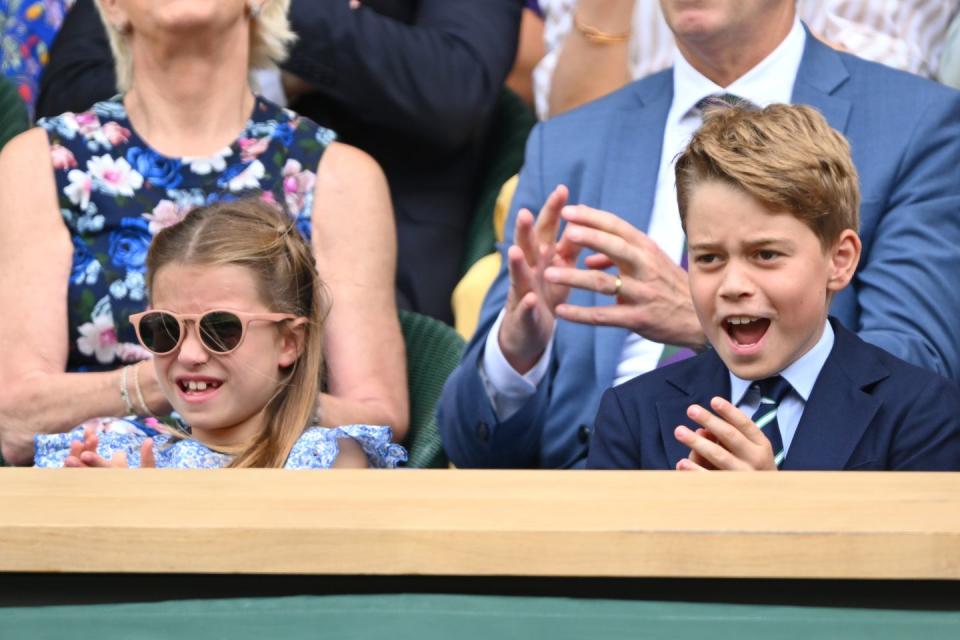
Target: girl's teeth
x=197, y=386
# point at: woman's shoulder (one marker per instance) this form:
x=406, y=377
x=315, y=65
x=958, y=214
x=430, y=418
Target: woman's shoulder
x=317, y=448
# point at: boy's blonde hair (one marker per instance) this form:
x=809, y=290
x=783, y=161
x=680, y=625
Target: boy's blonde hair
x=270, y=37
x=256, y=235
x=785, y=156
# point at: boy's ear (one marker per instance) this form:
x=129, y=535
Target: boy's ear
x=293, y=335
x=844, y=258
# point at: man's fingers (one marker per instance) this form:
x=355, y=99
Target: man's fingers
x=523, y=236
x=521, y=274
x=618, y=315
x=598, y=261
x=589, y=279
x=605, y=221
x=615, y=247
x=548, y=222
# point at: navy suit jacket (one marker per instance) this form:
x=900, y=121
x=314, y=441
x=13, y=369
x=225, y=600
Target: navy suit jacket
x=868, y=411
x=905, y=136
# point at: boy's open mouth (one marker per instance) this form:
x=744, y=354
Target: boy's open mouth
x=746, y=330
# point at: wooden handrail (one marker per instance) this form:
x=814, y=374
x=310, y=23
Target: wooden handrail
x=458, y=522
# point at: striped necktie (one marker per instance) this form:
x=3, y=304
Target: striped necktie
x=722, y=100
x=772, y=392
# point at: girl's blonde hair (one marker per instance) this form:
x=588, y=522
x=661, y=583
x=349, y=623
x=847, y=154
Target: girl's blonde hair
x=270, y=38
x=256, y=235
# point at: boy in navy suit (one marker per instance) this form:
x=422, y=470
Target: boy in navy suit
x=769, y=201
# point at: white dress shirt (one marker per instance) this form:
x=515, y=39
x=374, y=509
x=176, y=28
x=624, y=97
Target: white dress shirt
x=904, y=34
x=768, y=82
x=801, y=375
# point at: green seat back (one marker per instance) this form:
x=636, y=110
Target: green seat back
x=512, y=121
x=13, y=113
x=433, y=351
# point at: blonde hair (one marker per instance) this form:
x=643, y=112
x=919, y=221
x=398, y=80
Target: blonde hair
x=256, y=235
x=787, y=157
x=270, y=38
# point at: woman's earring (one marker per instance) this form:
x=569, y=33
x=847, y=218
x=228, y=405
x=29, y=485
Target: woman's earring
x=254, y=8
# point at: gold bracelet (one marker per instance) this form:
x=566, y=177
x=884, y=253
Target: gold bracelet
x=136, y=386
x=125, y=393
x=596, y=36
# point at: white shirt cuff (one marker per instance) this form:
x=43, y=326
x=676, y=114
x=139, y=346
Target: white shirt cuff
x=505, y=387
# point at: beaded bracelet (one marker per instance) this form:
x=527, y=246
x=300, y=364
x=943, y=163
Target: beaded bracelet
x=124, y=393
x=596, y=36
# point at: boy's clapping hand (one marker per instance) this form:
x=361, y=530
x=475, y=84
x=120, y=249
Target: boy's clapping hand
x=727, y=440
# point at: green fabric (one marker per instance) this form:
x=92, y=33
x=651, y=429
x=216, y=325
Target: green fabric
x=433, y=351
x=13, y=113
x=424, y=617
x=512, y=122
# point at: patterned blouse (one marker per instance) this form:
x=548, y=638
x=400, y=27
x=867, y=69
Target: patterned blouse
x=115, y=193
x=317, y=448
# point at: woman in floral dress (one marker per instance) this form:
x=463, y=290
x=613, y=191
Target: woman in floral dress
x=82, y=195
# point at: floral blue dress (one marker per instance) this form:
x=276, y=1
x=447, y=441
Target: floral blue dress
x=317, y=448
x=115, y=193
x=27, y=29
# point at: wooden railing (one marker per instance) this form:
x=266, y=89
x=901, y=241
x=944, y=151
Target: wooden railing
x=482, y=523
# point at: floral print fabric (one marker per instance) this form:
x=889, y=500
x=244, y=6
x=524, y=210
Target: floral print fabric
x=27, y=29
x=115, y=193
x=317, y=448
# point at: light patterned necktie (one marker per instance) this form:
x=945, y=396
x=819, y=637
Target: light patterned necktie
x=672, y=353
x=772, y=392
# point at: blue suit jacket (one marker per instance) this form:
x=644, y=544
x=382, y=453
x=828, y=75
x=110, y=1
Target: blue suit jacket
x=905, y=136
x=868, y=411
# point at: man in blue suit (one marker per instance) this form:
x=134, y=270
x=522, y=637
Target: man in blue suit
x=769, y=202
x=558, y=328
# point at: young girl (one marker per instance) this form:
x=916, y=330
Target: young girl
x=234, y=326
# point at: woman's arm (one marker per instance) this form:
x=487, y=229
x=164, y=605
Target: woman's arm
x=587, y=70
x=356, y=247
x=35, y=259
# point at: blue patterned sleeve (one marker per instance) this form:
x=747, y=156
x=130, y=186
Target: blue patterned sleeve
x=51, y=450
x=317, y=448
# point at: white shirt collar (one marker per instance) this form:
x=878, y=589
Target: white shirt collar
x=770, y=81
x=801, y=374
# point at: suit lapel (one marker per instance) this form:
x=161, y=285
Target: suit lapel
x=821, y=73
x=826, y=437
x=630, y=184
x=699, y=381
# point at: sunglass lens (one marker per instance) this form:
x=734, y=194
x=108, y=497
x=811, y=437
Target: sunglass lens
x=221, y=331
x=160, y=332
